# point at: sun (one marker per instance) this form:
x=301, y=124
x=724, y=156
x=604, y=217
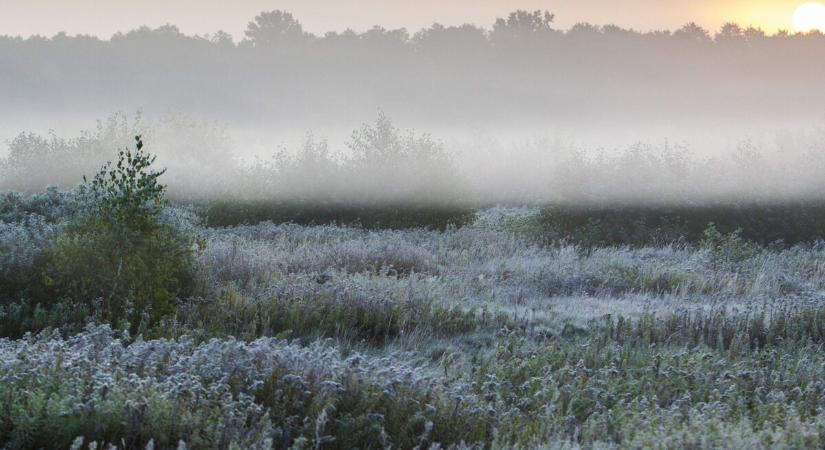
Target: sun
x=809, y=17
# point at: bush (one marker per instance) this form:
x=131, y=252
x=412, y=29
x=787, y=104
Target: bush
x=386, y=216
x=53, y=206
x=28, y=227
x=730, y=248
x=119, y=251
x=643, y=225
x=23, y=255
x=390, y=179
x=35, y=162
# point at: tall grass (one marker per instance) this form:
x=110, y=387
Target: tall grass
x=472, y=336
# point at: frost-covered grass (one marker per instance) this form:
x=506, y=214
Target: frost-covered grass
x=335, y=337
x=220, y=394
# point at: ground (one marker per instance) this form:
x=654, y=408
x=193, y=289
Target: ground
x=335, y=337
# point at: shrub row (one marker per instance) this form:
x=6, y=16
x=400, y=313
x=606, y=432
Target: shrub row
x=639, y=225
x=371, y=216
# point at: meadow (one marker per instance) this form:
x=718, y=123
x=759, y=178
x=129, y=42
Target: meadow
x=480, y=336
x=135, y=314
x=614, y=240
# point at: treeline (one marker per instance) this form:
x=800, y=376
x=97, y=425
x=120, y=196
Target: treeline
x=521, y=65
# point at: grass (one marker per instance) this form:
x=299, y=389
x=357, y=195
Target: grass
x=374, y=315
x=341, y=337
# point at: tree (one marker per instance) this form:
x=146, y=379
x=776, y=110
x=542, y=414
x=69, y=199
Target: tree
x=522, y=24
x=119, y=257
x=753, y=34
x=730, y=32
x=129, y=194
x=222, y=38
x=274, y=28
x=692, y=32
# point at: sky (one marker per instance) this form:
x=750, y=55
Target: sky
x=105, y=17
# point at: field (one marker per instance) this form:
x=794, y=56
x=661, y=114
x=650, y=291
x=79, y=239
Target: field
x=480, y=336
x=590, y=231
x=135, y=318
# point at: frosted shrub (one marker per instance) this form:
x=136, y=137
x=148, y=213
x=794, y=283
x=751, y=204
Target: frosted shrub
x=728, y=249
x=53, y=205
x=23, y=256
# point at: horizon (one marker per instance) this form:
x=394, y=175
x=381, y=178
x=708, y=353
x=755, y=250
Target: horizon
x=396, y=224
x=82, y=17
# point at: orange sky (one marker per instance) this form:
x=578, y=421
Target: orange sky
x=104, y=17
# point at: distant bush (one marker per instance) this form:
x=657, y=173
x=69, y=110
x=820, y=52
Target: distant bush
x=35, y=162
x=639, y=225
x=118, y=252
x=389, y=216
x=389, y=179
x=728, y=248
x=193, y=151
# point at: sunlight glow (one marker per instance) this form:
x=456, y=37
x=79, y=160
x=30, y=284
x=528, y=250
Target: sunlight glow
x=809, y=17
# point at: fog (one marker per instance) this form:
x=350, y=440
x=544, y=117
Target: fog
x=518, y=111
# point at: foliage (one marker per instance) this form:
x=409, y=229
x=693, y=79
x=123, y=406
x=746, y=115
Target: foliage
x=36, y=162
x=640, y=225
x=373, y=315
x=438, y=72
x=24, y=252
x=193, y=150
x=119, y=251
x=390, y=179
x=470, y=335
x=53, y=206
x=129, y=194
x=272, y=28
x=219, y=394
x=728, y=248
x=399, y=216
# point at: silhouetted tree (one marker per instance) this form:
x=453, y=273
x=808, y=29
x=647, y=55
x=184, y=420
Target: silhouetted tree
x=730, y=32
x=222, y=38
x=692, y=32
x=522, y=24
x=274, y=28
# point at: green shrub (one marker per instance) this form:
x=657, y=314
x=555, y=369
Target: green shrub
x=18, y=317
x=371, y=216
x=729, y=248
x=119, y=252
x=594, y=225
